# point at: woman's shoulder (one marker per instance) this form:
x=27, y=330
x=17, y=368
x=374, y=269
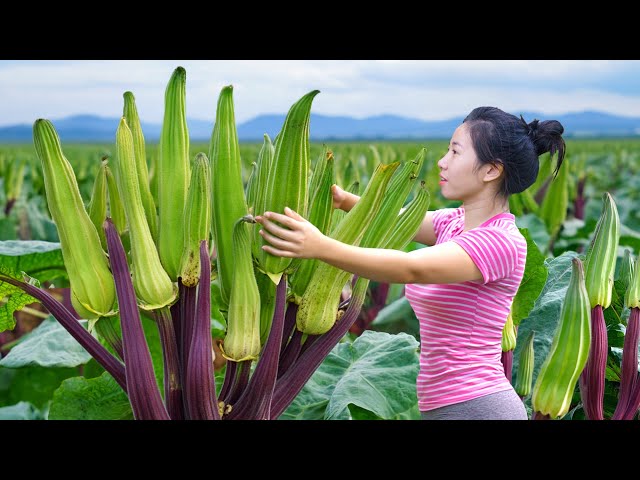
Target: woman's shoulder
x=449, y=213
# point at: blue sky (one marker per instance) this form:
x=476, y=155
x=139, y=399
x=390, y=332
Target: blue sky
x=424, y=89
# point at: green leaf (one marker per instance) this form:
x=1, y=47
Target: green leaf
x=40, y=260
x=376, y=373
x=41, y=226
x=31, y=384
x=535, y=276
x=629, y=238
x=48, y=345
x=537, y=229
x=397, y=317
x=98, y=398
x=20, y=411
x=545, y=314
x=8, y=229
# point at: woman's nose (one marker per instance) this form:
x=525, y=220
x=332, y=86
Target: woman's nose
x=442, y=163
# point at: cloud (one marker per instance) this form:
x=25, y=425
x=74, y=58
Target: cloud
x=430, y=90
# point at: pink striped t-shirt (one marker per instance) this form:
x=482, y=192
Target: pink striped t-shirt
x=461, y=323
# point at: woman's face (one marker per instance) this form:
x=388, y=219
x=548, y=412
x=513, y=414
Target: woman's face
x=459, y=177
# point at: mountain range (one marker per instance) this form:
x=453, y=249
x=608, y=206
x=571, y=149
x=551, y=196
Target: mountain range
x=92, y=128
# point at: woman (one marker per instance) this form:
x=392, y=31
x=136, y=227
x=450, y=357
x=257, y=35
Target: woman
x=462, y=287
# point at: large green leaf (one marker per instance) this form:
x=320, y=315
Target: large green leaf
x=544, y=317
x=373, y=377
x=8, y=230
x=20, y=411
x=397, y=317
x=49, y=345
x=98, y=398
x=535, y=276
x=537, y=229
x=40, y=260
x=31, y=384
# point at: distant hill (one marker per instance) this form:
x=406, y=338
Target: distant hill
x=92, y=128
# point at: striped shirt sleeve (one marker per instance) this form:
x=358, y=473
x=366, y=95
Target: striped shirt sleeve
x=492, y=250
x=441, y=218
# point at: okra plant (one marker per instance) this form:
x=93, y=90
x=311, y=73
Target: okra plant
x=133, y=253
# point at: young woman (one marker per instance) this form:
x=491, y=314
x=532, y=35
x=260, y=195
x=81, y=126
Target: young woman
x=462, y=287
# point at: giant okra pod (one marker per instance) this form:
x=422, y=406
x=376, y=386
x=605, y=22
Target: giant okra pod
x=399, y=188
x=600, y=262
x=92, y=286
x=319, y=304
x=133, y=121
x=599, y=265
x=228, y=200
x=153, y=286
x=97, y=208
x=287, y=184
x=174, y=173
x=197, y=216
x=320, y=210
x=242, y=341
x=408, y=222
x=525, y=367
x=568, y=353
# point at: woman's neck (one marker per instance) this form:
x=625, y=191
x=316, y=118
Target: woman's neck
x=479, y=211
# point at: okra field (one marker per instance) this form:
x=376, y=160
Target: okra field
x=142, y=293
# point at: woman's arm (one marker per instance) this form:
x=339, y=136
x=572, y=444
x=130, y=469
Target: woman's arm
x=346, y=201
x=444, y=263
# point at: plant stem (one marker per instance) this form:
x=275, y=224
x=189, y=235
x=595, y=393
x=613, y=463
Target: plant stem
x=172, y=378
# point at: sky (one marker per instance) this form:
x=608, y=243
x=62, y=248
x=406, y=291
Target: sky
x=421, y=89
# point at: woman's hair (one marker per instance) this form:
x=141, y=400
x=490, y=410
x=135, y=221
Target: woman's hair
x=500, y=137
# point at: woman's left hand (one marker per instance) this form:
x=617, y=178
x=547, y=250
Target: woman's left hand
x=300, y=238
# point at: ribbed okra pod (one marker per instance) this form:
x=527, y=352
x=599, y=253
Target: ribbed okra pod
x=242, y=341
x=569, y=350
x=133, y=122
x=197, y=220
x=287, y=183
x=228, y=199
x=319, y=304
x=154, y=289
x=92, y=286
x=174, y=173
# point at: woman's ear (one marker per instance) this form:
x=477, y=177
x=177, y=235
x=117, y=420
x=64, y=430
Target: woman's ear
x=493, y=171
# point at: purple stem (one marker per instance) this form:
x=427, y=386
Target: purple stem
x=289, y=324
x=634, y=402
x=239, y=382
x=171, y=361
x=580, y=201
x=177, y=316
x=629, y=372
x=107, y=330
x=627, y=402
x=290, y=384
x=229, y=378
x=144, y=395
x=540, y=416
x=507, y=363
x=290, y=353
x=592, y=377
x=255, y=403
x=110, y=363
x=311, y=339
x=200, y=386
x=7, y=208
x=189, y=299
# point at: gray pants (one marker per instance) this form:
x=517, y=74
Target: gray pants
x=504, y=405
